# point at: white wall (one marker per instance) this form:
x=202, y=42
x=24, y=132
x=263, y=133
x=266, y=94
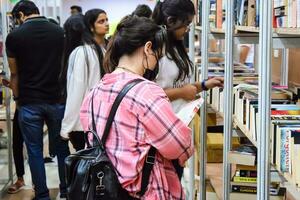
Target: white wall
x=115, y=9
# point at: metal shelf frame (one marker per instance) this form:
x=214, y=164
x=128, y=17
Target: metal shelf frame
x=267, y=38
x=204, y=75
x=4, y=9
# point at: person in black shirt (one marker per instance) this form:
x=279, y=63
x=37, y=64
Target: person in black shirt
x=34, y=54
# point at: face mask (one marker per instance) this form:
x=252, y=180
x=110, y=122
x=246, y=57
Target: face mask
x=151, y=74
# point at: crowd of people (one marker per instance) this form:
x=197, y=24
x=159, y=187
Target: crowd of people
x=56, y=72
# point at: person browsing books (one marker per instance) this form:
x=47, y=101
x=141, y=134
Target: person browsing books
x=84, y=51
x=144, y=117
x=177, y=71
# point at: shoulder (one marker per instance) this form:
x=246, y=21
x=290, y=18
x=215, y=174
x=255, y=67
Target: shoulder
x=15, y=34
x=13, y=39
x=55, y=27
x=149, y=92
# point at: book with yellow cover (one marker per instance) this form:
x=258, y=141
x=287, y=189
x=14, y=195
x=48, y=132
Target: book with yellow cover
x=245, y=179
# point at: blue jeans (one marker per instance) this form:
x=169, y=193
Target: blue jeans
x=31, y=120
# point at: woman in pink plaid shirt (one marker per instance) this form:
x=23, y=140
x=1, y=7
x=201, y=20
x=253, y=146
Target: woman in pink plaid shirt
x=145, y=117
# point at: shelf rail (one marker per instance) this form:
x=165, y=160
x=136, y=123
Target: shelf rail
x=192, y=159
x=228, y=96
x=264, y=105
x=204, y=75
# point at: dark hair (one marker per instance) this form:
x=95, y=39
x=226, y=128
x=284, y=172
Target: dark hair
x=78, y=8
x=132, y=33
x=143, y=11
x=90, y=18
x=74, y=30
x=26, y=7
x=178, y=10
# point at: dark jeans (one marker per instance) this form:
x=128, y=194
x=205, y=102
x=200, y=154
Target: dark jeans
x=77, y=140
x=18, y=142
x=31, y=119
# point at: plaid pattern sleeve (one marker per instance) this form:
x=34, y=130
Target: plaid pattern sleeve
x=163, y=129
x=144, y=118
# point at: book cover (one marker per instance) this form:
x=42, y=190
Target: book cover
x=244, y=179
x=188, y=111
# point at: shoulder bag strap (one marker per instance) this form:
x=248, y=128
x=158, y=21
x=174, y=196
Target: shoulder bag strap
x=149, y=162
x=113, y=110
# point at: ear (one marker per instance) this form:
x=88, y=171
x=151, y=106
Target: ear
x=148, y=48
x=21, y=16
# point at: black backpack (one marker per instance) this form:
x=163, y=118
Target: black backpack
x=90, y=174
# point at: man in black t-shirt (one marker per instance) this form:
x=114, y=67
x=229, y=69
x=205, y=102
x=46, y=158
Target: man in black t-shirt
x=34, y=54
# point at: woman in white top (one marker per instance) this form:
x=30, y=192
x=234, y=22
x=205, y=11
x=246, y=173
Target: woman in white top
x=176, y=70
x=84, y=67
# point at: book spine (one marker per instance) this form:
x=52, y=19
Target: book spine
x=285, y=151
x=244, y=179
x=243, y=189
x=219, y=14
x=247, y=173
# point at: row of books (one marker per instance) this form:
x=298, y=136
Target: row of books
x=285, y=119
x=244, y=183
x=286, y=13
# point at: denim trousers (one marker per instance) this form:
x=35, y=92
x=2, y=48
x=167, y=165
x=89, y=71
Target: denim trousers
x=31, y=120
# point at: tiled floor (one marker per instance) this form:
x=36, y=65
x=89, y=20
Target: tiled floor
x=52, y=182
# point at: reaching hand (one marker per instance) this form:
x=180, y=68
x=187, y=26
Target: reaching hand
x=189, y=92
x=214, y=82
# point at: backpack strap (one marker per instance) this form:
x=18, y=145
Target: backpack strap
x=149, y=162
x=147, y=169
x=112, y=113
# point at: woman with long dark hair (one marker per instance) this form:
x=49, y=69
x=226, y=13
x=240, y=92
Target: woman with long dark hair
x=177, y=71
x=84, y=49
x=144, y=118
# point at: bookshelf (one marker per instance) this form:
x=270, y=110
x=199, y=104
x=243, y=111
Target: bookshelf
x=267, y=38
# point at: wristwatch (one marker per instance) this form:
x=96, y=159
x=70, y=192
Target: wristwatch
x=203, y=86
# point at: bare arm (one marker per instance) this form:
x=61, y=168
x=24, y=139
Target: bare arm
x=14, y=76
x=187, y=92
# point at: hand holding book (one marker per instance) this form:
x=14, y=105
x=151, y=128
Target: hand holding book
x=188, y=111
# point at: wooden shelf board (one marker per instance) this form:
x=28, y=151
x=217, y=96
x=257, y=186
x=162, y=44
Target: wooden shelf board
x=217, y=30
x=215, y=110
x=244, y=130
x=248, y=29
x=293, y=192
x=288, y=31
x=237, y=124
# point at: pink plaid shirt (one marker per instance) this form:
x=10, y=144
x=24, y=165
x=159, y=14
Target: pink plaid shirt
x=144, y=118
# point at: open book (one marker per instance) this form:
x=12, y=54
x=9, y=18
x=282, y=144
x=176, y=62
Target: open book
x=188, y=111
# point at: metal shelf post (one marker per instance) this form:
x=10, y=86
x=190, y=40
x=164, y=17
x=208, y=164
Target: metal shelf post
x=192, y=159
x=4, y=10
x=265, y=50
x=204, y=72
x=228, y=96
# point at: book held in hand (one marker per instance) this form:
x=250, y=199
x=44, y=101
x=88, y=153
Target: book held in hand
x=188, y=111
